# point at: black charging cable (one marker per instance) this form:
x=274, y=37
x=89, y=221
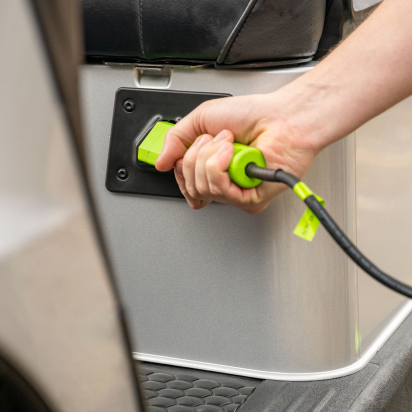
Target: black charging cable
x=334, y=230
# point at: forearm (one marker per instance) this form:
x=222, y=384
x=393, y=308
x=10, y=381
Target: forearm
x=368, y=73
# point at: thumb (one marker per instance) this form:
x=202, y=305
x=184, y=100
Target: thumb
x=178, y=139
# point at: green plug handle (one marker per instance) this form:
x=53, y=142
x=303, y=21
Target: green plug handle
x=151, y=147
x=241, y=158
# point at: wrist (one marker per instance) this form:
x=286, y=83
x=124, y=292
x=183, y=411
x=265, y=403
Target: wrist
x=304, y=109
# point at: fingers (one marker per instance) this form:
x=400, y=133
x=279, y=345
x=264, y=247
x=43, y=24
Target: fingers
x=195, y=164
x=193, y=203
x=203, y=177
x=189, y=165
x=221, y=188
x=219, y=183
x=201, y=180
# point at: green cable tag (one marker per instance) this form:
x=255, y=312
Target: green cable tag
x=309, y=223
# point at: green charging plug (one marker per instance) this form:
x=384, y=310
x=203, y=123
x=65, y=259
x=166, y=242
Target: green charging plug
x=151, y=147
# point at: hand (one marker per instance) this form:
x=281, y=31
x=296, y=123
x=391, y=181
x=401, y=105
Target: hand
x=200, y=148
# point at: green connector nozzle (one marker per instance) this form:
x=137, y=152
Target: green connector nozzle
x=151, y=147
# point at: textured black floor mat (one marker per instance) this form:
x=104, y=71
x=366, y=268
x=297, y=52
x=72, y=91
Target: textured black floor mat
x=173, y=389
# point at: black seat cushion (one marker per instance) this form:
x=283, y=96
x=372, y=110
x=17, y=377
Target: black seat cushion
x=220, y=31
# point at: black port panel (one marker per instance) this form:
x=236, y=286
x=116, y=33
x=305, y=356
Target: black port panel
x=135, y=113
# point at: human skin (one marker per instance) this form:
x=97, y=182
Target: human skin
x=365, y=75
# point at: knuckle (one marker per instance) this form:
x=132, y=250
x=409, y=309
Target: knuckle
x=252, y=211
x=192, y=192
x=169, y=135
x=210, y=165
x=198, y=118
x=215, y=191
x=189, y=160
x=203, y=153
x=202, y=189
x=195, y=205
x=184, y=191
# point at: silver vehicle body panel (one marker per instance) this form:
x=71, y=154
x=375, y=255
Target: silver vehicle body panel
x=222, y=290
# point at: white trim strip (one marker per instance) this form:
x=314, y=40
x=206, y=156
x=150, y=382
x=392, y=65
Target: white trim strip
x=232, y=370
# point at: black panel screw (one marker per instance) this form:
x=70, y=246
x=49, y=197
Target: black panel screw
x=122, y=173
x=129, y=105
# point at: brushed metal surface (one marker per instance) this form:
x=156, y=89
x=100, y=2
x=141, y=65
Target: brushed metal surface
x=58, y=317
x=218, y=286
x=384, y=220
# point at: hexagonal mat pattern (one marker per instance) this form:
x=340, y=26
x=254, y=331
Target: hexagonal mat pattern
x=173, y=389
